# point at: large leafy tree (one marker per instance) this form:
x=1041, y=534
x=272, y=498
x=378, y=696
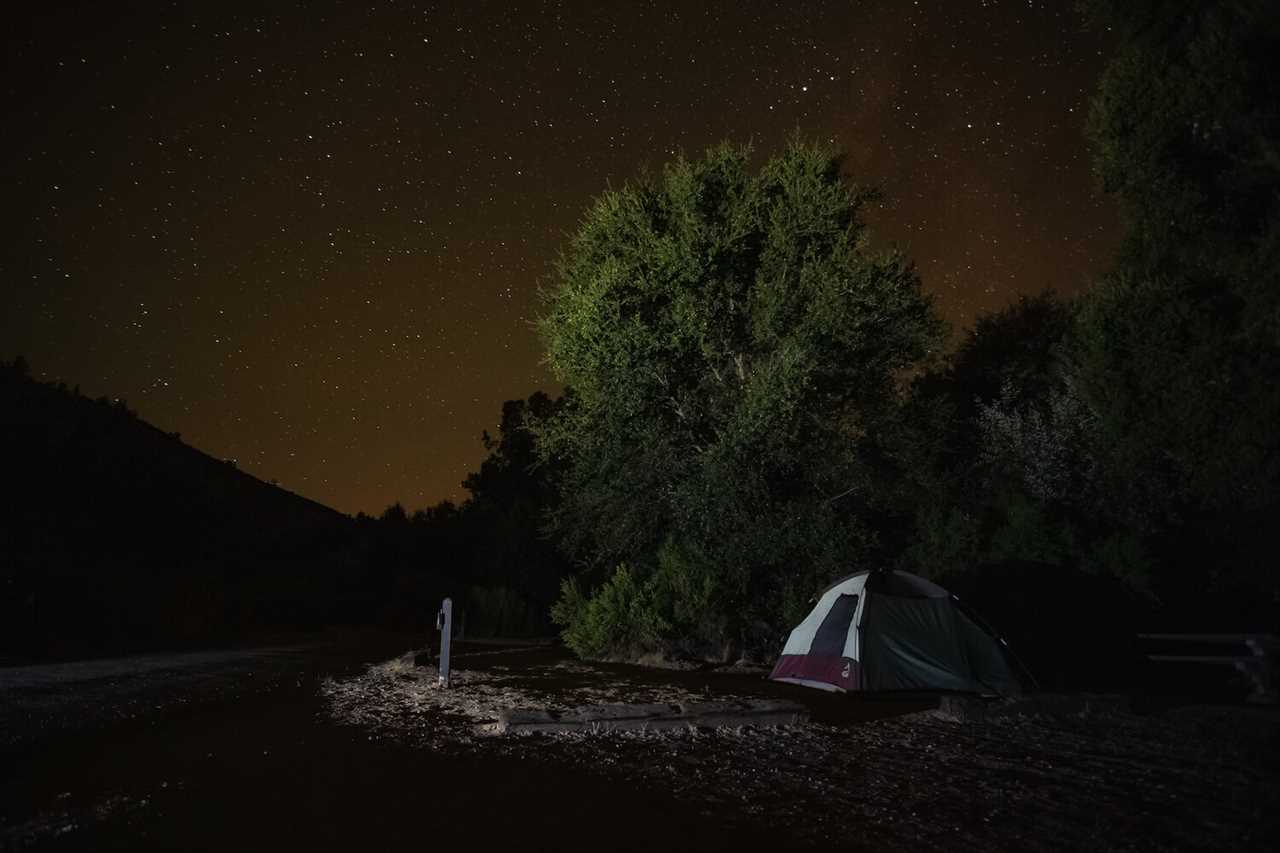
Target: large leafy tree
x=734, y=350
x=1178, y=349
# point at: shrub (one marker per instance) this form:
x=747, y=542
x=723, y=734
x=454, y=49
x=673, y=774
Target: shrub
x=697, y=599
x=620, y=619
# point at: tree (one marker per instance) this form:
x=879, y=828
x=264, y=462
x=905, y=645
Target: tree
x=735, y=352
x=510, y=495
x=1016, y=347
x=512, y=473
x=1177, y=349
x=394, y=516
x=1184, y=127
x=994, y=445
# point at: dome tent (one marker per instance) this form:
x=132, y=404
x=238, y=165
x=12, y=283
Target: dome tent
x=891, y=630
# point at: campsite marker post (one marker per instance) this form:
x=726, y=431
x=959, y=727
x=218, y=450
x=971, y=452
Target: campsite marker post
x=444, y=623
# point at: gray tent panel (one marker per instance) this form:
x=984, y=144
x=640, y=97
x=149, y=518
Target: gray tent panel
x=987, y=661
x=927, y=643
x=834, y=630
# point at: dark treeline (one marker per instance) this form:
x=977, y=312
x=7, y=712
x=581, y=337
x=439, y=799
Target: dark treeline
x=503, y=570
x=116, y=537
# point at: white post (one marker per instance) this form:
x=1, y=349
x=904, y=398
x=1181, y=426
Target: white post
x=444, y=622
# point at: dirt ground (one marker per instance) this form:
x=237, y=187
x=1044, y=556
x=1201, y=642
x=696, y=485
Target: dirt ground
x=336, y=745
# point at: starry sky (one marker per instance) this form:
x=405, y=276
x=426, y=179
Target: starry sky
x=309, y=236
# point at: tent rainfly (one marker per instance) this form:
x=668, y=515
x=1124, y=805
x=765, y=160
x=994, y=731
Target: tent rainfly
x=891, y=630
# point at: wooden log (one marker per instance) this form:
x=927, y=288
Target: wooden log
x=603, y=718
x=608, y=713
x=511, y=717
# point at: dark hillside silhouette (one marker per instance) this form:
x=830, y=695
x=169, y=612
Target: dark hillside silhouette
x=116, y=535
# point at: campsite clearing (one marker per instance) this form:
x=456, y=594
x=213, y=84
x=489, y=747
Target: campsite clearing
x=1045, y=772
x=348, y=748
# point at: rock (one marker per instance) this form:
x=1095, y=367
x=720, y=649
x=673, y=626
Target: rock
x=962, y=708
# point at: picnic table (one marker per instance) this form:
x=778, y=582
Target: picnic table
x=1252, y=655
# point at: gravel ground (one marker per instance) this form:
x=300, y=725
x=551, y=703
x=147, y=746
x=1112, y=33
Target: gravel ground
x=1050, y=773
x=318, y=748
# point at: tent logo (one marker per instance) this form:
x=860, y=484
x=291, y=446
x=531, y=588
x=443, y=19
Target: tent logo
x=844, y=673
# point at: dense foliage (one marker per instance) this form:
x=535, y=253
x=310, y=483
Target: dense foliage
x=734, y=350
x=735, y=435
x=1177, y=351
x=1134, y=431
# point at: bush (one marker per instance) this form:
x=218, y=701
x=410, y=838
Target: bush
x=698, y=602
x=620, y=619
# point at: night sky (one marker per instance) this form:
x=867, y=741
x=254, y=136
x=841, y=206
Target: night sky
x=310, y=239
